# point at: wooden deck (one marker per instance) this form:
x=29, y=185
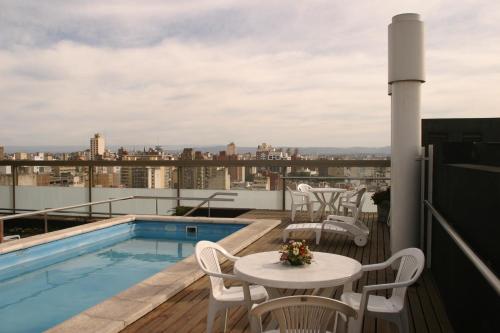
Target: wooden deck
x=187, y=310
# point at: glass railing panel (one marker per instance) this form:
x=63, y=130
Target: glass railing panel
x=113, y=182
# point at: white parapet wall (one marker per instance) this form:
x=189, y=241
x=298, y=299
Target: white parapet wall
x=41, y=197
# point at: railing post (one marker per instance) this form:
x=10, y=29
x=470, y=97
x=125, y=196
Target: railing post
x=110, y=210
x=156, y=204
x=430, y=175
x=45, y=223
x=90, y=185
x=1, y=231
x=208, y=203
x=14, y=183
x=179, y=175
x=422, y=198
x=283, y=189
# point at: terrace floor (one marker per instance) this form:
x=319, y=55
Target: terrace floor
x=187, y=310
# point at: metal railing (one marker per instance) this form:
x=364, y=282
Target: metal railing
x=45, y=212
x=473, y=257
x=16, y=166
x=432, y=212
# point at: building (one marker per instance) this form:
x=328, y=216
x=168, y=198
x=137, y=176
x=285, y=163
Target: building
x=20, y=156
x=262, y=151
x=218, y=179
x=193, y=177
x=142, y=176
x=97, y=146
x=2, y=152
x=260, y=182
x=231, y=149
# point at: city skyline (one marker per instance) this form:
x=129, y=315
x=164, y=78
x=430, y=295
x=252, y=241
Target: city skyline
x=208, y=72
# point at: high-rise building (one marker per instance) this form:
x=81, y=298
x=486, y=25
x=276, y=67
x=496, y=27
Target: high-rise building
x=231, y=149
x=1, y=152
x=142, y=176
x=262, y=151
x=97, y=146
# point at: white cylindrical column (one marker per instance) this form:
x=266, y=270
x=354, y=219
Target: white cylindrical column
x=406, y=75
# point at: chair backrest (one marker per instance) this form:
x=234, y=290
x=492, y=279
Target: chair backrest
x=410, y=267
x=359, y=210
x=206, y=256
x=300, y=314
x=293, y=196
x=359, y=194
x=304, y=188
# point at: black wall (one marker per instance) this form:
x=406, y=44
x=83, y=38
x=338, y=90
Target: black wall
x=466, y=191
x=460, y=130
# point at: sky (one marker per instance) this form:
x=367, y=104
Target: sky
x=289, y=73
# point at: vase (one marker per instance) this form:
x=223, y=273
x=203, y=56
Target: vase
x=383, y=211
x=296, y=262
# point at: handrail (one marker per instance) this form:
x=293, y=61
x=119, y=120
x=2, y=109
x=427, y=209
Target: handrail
x=204, y=163
x=109, y=201
x=44, y=211
x=335, y=178
x=476, y=261
x=208, y=200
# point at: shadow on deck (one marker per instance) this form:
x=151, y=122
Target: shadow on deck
x=187, y=310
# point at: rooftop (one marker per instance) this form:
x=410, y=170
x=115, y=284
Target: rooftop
x=186, y=311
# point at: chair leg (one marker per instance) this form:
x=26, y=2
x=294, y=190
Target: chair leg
x=405, y=326
x=293, y=212
x=226, y=315
x=212, y=312
x=310, y=208
x=355, y=325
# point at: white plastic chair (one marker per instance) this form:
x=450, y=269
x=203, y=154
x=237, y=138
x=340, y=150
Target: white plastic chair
x=392, y=308
x=299, y=200
x=222, y=298
x=11, y=238
x=351, y=200
x=300, y=314
x=350, y=226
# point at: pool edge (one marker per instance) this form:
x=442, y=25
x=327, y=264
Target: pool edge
x=119, y=311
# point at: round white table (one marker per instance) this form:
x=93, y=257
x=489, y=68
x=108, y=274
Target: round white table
x=326, y=270
x=320, y=194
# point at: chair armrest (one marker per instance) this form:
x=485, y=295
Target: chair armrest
x=223, y=276
x=371, y=288
x=231, y=257
x=340, y=218
x=227, y=255
x=374, y=267
x=375, y=287
x=302, y=194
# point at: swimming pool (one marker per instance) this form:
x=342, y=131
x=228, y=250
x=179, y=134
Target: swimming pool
x=43, y=285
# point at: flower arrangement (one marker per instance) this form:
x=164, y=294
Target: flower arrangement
x=296, y=253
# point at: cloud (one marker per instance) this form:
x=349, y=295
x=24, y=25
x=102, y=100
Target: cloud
x=206, y=72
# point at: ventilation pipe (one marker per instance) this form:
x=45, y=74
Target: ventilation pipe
x=406, y=75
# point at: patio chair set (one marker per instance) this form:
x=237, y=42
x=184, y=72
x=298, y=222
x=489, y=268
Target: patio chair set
x=350, y=203
x=308, y=313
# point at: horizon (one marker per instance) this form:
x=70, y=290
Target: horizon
x=10, y=149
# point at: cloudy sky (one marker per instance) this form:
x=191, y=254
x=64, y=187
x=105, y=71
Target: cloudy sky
x=294, y=73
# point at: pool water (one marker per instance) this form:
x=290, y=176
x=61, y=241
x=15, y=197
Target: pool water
x=35, y=300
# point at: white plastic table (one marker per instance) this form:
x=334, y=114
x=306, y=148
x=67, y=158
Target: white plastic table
x=320, y=194
x=326, y=270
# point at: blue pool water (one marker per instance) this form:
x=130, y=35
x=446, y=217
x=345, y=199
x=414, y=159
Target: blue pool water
x=47, y=284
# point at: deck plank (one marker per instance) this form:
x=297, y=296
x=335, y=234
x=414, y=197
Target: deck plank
x=186, y=311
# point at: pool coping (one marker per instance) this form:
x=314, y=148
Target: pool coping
x=115, y=313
